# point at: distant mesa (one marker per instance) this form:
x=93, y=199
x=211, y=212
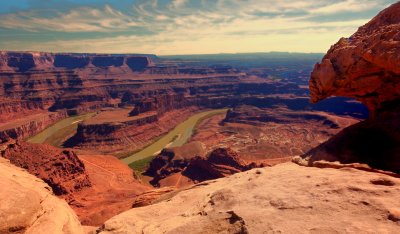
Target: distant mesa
x=26, y=61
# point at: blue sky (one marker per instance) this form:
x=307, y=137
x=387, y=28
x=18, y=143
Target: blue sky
x=181, y=26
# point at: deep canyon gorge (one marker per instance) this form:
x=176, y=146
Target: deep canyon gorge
x=140, y=143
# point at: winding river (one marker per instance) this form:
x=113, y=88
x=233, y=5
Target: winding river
x=55, y=134
x=58, y=132
x=176, y=137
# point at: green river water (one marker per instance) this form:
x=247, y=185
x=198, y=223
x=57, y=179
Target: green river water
x=176, y=137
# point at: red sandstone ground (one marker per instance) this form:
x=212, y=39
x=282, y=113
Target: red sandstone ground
x=97, y=187
x=114, y=188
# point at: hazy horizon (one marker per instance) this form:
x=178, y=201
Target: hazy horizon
x=181, y=27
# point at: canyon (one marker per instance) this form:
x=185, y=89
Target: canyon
x=95, y=109
x=269, y=162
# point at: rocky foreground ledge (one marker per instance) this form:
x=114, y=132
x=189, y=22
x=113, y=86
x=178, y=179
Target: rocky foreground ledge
x=283, y=199
x=27, y=205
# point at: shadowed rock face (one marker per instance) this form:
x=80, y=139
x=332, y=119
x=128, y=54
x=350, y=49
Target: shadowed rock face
x=71, y=62
x=106, y=61
x=365, y=66
x=30, y=61
x=137, y=63
x=375, y=142
x=22, y=62
x=192, y=162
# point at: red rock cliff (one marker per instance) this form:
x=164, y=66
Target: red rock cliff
x=365, y=66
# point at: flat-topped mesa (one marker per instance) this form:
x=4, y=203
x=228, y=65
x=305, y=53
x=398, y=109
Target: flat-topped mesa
x=26, y=61
x=365, y=66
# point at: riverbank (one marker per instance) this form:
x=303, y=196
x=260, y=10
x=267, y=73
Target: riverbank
x=176, y=137
x=57, y=133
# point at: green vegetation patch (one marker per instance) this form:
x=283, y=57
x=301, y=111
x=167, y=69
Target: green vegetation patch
x=141, y=165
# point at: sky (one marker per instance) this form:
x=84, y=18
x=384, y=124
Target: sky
x=170, y=27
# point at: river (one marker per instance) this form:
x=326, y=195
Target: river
x=58, y=132
x=176, y=137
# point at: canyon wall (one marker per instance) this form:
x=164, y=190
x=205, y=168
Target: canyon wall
x=33, y=82
x=26, y=127
x=60, y=169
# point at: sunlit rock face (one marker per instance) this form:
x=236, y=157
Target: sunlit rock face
x=28, y=206
x=365, y=66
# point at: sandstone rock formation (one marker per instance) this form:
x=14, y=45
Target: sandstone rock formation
x=283, y=199
x=188, y=164
x=60, y=169
x=366, y=67
x=28, y=206
x=97, y=187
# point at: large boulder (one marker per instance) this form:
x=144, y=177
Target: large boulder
x=28, y=205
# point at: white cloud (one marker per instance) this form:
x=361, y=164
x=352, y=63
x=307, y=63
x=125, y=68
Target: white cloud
x=217, y=26
x=82, y=19
x=346, y=6
x=178, y=3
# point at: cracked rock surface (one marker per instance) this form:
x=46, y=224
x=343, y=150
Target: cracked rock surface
x=286, y=198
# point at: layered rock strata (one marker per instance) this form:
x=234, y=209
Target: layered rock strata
x=22, y=128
